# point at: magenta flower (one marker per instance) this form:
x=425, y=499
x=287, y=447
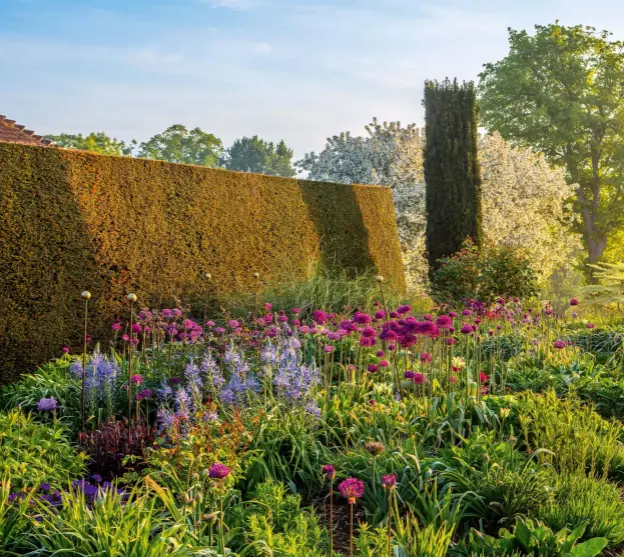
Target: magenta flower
x=466, y=312
x=419, y=378
x=466, y=329
x=452, y=314
x=218, y=471
x=409, y=374
x=234, y=324
x=590, y=325
x=145, y=393
x=116, y=326
x=329, y=471
x=559, y=344
x=351, y=489
x=361, y=318
x=425, y=358
x=380, y=314
x=296, y=311
x=320, y=317
x=136, y=328
x=389, y=480
x=574, y=302
x=404, y=309
x=379, y=353
x=328, y=348
x=136, y=379
x=372, y=368
x=384, y=363
x=444, y=322
x=65, y=349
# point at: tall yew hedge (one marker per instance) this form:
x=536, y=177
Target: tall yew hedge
x=451, y=166
x=73, y=220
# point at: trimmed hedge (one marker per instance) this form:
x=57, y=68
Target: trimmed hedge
x=74, y=220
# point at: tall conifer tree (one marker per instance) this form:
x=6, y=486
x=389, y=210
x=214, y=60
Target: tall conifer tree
x=452, y=173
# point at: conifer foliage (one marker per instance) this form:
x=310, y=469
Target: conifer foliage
x=452, y=174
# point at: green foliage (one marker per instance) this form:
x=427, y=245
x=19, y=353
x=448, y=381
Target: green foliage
x=452, y=172
x=561, y=92
x=484, y=274
x=530, y=538
x=497, y=484
x=113, y=527
x=572, y=434
x=177, y=144
x=32, y=453
x=51, y=380
x=15, y=519
x=98, y=142
x=609, y=289
x=252, y=154
x=578, y=500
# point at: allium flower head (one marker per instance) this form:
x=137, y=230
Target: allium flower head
x=574, y=302
x=218, y=471
x=404, y=309
x=444, y=322
x=559, y=344
x=136, y=379
x=329, y=471
x=590, y=325
x=389, y=481
x=374, y=447
x=46, y=404
x=351, y=489
x=466, y=329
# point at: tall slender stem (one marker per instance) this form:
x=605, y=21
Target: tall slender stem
x=130, y=350
x=86, y=297
x=331, y=518
x=351, y=529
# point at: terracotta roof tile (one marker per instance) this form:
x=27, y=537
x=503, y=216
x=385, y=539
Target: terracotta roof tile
x=12, y=133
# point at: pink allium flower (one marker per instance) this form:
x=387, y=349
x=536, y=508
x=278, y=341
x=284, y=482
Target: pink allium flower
x=466, y=312
x=219, y=330
x=590, y=325
x=234, y=324
x=574, y=302
x=444, y=322
x=409, y=374
x=296, y=311
x=372, y=368
x=450, y=341
x=428, y=317
x=136, y=379
x=283, y=319
x=351, y=489
x=65, y=349
x=452, y=314
x=483, y=377
x=218, y=471
x=125, y=338
x=304, y=329
x=116, y=326
x=394, y=314
x=559, y=344
x=466, y=329
x=425, y=358
x=136, y=328
x=367, y=341
x=379, y=353
x=145, y=393
x=368, y=332
x=384, y=363
x=210, y=323
x=419, y=378
x=380, y=314
x=267, y=307
x=328, y=471
x=361, y=318
x=320, y=317
x=328, y=348
x=389, y=481
x=404, y=309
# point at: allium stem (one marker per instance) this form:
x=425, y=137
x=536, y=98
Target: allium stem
x=331, y=518
x=351, y=505
x=130, y=347
x=84, y=362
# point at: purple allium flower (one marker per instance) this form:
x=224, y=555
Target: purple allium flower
x=218, y=471
x=404, y=309
x=389, y=481
x=466, y=329
x=136, y=328
x=175, y=381
x=351, y=489
x=426, y=358
x=409, y=374
x=380, y=314
x=145, y=393
x=419, y=378
x=47, y=404
x=328, y=471
x=559, y=344
x=372, y=368
x=328, y=348
x=319, y=317
x=296, y=311
x=574, y=302
x=65, y=349
x=590, y=325
x=452, y=314
x=361, y=318
x=136, y=379
x=466, y=312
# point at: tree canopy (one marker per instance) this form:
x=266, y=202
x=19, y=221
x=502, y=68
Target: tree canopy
x=177, y=144
x=252, y=154
x=561, y=92
x=98, y=142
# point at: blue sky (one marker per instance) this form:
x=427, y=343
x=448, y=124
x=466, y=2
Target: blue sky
x=298, y=70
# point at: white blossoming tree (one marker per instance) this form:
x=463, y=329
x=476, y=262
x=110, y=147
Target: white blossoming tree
x=525, y=202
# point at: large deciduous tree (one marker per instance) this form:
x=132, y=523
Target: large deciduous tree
x=452, y=173
x=561, y=92
x=177, y=144
x=98, y=142
x=252, y=154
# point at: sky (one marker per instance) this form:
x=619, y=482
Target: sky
x=298, y=70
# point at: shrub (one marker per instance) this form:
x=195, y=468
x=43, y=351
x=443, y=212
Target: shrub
x=32, y=453
x=74, y=220
x=484, y=274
